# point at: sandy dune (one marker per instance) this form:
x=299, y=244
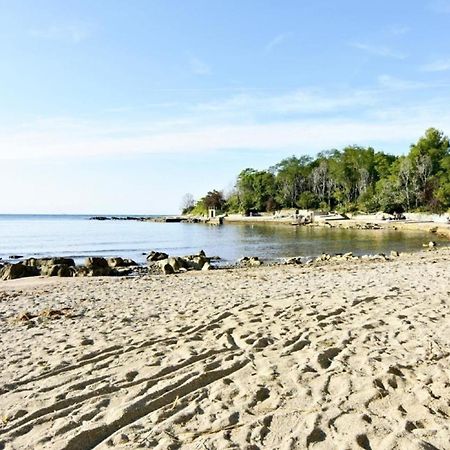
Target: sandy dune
x=341, y=356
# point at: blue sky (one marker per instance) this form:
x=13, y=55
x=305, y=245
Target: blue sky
x=109, y=106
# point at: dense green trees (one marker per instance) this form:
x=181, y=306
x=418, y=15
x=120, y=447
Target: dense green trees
x=352, y=179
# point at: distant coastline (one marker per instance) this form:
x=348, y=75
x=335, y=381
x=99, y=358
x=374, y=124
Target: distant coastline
x=425, y=222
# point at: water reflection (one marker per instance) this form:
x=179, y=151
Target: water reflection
x=78, y=237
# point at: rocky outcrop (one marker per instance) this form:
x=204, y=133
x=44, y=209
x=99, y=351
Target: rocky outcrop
x=53, y=267
x=19, y=270
x=95, y=266
x=120, y=262
x=156, y=256
x=249, y=261
x=162, y=263
x=48, y=262
x=58, y=270
x=65, y=267
x=293, y=260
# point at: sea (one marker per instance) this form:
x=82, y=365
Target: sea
x=78, y=237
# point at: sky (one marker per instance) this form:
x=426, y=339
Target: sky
x=122, y=107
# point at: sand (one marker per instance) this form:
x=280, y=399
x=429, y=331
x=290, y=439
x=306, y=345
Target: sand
x=337, y=356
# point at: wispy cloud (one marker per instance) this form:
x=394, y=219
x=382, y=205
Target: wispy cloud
x=277, y=41
x=302, y=121
x=199, y=67
x=74, y=33
x=297, y=102
x=393, y=83
x=376, y=50
x=440, y=65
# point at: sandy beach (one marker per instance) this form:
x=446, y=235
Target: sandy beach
x=332, y=356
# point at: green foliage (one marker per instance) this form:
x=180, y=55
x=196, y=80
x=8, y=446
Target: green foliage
x=291, y=179
x=214, y=199
x=308, y=200
x=349, y=180
x=254, y=189
x=199, y=209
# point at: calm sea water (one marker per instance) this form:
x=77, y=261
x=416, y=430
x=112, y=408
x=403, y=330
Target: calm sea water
x=78, y=237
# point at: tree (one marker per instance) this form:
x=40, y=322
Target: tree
x=354, y=178
x=428, y=158
x=254, y=189
x=321, y=182
x=214, y=199
x=291, y=179
x=187, y=203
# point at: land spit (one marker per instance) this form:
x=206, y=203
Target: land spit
x=353, y=354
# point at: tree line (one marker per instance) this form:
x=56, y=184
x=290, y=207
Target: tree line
x=348, y=180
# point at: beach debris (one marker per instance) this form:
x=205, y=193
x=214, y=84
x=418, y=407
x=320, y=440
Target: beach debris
x=56, y=313
x=25, y=317
x=48, y=313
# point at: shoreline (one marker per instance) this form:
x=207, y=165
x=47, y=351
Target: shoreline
x=361, y=222
x=441, y=229
x=266, y=356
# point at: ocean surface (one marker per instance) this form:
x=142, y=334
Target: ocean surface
x=79, y=237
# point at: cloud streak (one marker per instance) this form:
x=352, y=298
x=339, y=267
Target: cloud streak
x=440, y=65
x=376, y=50
x=304, y=120
x=277, y=41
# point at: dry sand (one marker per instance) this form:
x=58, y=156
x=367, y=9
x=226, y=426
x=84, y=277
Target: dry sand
x=340, y=356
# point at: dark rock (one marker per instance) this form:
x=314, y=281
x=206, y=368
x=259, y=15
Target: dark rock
x=167, y=269
x=120, y=262
x=96, y=262
x=15, y=256
x=97, y=267
x=99, y=218
x=250, y=261
x=156, y=256
x=41, y=262
x=207, y=266
x=121, y=271
x=196, y=262
x=13, y=271
x=294, y=260
x=58, y=270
